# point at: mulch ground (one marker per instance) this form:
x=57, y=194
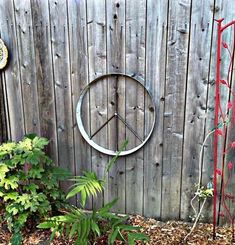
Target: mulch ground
x=172, y=232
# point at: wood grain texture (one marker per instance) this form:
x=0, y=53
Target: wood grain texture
x=96, y=27
x=135, y=66
x=3, y=115
x=176, y=70
x=25, y=34
x=79, y=79
x=196, y=99
x=156, y=43
x=44, y=74
x=12, y=80
x=116, y=63
x=62, y=83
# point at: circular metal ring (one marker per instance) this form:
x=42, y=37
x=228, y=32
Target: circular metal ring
x=81, y=126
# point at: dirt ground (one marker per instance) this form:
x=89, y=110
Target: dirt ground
x=160, y=233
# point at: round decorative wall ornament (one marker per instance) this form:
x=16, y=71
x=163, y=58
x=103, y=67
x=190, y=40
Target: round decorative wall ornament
x=3, y=54
x=115, y=117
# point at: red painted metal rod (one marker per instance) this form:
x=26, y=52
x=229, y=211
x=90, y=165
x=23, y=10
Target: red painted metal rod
x=217, y=104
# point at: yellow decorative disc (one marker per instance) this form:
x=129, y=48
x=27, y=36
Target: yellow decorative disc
x=3, y=54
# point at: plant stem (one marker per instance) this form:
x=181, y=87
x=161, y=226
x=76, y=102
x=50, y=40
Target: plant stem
x=196, y=220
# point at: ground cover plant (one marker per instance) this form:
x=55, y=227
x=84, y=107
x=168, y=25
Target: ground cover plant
x=29, y=184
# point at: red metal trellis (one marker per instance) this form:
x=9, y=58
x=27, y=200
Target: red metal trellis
x=224, y=121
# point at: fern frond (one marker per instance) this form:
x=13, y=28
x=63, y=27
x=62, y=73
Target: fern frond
x=87, y=185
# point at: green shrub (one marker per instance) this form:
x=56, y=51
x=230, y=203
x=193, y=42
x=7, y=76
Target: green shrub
x=85, y=226
x=28, y=183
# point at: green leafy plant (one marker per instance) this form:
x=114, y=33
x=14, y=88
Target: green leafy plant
x=28, y=183
x=87, y=185
x=85, y=226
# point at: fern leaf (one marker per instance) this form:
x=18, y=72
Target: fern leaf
x=95, y=228
x=73, y=229
x=113, y=236
x=83, y=197
x=87, y=185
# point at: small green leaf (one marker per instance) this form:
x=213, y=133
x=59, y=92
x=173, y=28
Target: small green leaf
x=95, y=228
x=83, y=197
x=12, y=209
x=22, y=218
x=132, y=237
x=73, y=229
x=31, y=136
x=11, y=196
x=108, y=206
x=10, y=182
x=113, y=236
x=74, y=191
x=3, y=170
x=16, y=239
x=40, y=142
x=128, y=227
x=46, y=225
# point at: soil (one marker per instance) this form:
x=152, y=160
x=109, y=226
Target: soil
x=160, y=233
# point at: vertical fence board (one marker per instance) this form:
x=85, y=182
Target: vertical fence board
x=3, y=125
x=44, y=72
x=156, y=34
x=61, y=69
x=79, y=79
x=12, y=73
x=196, y=98
x=135, y=66
x=22, y=10
x=230, y=137
x=96, y=22
x=178, y=35
x=116, y=63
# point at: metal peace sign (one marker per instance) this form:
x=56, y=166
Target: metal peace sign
x=116, y=115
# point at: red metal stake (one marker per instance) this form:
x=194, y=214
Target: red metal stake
x=217, y=103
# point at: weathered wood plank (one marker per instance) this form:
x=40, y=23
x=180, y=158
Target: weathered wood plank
x=135, y=65
x=176, y=69
x=79, y=79
x=23, y=16
x=156, y=40
x=116, y=63
x=62, y=83
x=44, y=74
x=3, y=115
x=96, y=27
x=196, y=99
x=12, y=74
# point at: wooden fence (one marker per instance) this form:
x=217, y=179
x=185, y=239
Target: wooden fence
x=57, y=47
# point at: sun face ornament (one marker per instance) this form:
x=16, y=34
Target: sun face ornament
x=3, y=54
